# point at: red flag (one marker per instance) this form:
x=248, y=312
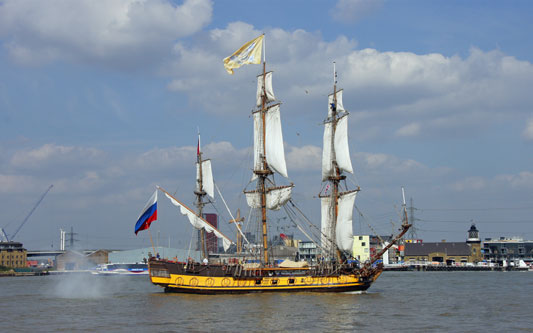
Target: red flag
x=198, y=148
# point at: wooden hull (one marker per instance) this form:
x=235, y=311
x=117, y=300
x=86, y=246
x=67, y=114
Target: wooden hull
x=219, y=279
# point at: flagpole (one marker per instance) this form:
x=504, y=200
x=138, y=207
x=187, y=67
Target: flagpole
x=264, y=49
x=151, y=241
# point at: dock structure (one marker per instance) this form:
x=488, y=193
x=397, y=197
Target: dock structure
x=452, y=268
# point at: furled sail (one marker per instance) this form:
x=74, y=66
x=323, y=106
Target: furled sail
x=274, y=150
x=198, y=222
x=207, y=178
x=344, y=229
x=340, y=107
x=341, y=151
x=275, y=198
x=268, y=91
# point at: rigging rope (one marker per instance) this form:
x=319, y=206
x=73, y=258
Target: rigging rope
x=190, y=242
x=233, y=218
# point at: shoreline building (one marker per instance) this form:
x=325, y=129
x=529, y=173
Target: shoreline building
x=361, y=247
x=12, y=255
x=509, y=249
x=449, y=253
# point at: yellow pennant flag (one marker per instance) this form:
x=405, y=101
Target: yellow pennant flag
x=249, y=53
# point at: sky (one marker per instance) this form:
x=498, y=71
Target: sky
x=104, y=100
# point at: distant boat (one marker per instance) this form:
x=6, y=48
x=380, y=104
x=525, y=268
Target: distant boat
x=121, y=269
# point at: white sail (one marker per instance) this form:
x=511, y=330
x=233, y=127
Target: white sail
x=327, y=166
x=200, y=223
x=344, y=229
x=207, y=178
x=340, y=146
x=275, y=153
x=340, y=107
x=258, y=143
x=342, y=151
x=326, y=224
x=269, y=92
x=253, y=199
x=275, y=198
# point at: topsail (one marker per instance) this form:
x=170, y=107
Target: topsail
x=341, y=150
x=264, y=88
x=207, y=178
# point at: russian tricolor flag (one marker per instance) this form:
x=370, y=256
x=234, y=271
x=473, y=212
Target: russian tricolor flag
x=148, y=214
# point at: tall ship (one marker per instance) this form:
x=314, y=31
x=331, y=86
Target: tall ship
x=257, y=270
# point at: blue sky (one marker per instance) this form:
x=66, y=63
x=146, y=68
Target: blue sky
x=103, y=100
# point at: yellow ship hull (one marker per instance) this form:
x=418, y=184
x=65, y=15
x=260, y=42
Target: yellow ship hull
x=279, y=281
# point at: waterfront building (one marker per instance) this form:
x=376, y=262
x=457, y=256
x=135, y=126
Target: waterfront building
x=12, y=254
x=72, y=260
x=308, y=251
x=99, y=257
x=210, y=238
x=510, y=249
x=446, y=252
x=361, y=247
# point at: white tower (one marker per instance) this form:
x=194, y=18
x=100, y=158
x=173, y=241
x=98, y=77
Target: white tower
x=62, y=237
x=473, y=234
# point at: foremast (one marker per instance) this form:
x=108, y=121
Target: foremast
x=367, y=268
x=204, y=186
x=337, y=205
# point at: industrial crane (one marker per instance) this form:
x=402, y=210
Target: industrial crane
x=3, y=235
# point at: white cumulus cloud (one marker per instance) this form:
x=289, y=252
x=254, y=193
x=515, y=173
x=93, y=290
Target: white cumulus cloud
x=409, y=130
x=114, y=32
x=52, y=154
x=528, y=131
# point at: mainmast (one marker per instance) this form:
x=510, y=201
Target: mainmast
x=269, y=156
x=336, y=177
x=264, y=172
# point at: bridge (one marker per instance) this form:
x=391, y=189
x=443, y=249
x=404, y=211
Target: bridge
x=46, y=253
x=53, y=253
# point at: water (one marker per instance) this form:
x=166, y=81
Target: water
x=398, y=301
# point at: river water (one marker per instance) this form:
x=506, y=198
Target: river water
x=398, y=301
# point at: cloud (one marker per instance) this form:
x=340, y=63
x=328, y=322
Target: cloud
x=522, y=180
x=386, y=163
x=305, y=158
x=165, y=158
x=499, y=183
x=412, y=129
x=390, y=94
x=119, y=33
x=350, y=11
x=469, y=184
x=528, y=131
x=55, y=155
x=15, y=183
